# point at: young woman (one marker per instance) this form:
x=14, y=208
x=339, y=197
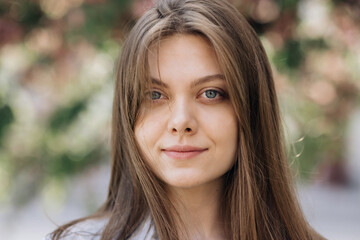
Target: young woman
x=198, y=151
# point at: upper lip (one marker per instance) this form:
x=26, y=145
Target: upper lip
x=183, y=148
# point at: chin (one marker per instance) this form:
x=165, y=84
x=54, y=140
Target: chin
x=183, y=184
x=186, y=180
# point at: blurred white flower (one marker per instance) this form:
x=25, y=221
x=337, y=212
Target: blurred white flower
x=314, y=18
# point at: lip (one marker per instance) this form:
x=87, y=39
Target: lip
x=183, y=151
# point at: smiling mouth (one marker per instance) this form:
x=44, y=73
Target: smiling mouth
x=183, y=152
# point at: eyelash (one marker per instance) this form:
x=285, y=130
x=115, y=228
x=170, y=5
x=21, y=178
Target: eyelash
x=220, y=94
x=151, y=94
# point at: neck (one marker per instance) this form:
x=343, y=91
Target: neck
x=199, y=210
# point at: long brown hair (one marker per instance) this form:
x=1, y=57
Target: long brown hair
x=258, y=201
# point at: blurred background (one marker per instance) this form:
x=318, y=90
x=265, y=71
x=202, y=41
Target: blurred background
x=56, y=86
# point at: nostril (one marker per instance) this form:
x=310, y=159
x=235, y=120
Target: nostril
x=186, y=130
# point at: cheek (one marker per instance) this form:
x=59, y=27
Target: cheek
x=228, y=135
x=148, y=130
x=222, y=130
x=221, y=124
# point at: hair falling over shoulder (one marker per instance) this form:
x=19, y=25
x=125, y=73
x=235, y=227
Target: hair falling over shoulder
x=259, y=200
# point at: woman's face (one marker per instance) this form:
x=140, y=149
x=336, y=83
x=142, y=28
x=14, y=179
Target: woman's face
x=187, y=128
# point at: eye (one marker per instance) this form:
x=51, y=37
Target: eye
x=212, y=93
x=155, y=95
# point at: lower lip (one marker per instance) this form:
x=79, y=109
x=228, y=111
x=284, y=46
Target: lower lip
x=183, y=155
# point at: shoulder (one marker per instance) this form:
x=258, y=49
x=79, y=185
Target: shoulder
x=145, y=231
x=89, y=229
x=92, y=229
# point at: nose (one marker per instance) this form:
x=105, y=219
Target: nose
x=182, y=119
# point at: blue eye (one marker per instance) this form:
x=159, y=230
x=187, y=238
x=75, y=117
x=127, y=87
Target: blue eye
x=155, y=95
x=211, y=93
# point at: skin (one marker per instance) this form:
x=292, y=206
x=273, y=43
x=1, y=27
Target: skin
x=188, y=105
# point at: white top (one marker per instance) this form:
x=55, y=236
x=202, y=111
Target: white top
x=91, y=230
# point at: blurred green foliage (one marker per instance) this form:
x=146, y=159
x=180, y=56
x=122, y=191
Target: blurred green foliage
x=64, y=117
x=29, y=15
x=290, y=56
x=6, y=119
x=102, y=20
x=56, y=81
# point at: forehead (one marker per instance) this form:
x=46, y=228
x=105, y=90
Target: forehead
x=179, y=40
x=182, y=54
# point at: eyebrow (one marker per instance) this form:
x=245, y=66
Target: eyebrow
x=197, y=82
